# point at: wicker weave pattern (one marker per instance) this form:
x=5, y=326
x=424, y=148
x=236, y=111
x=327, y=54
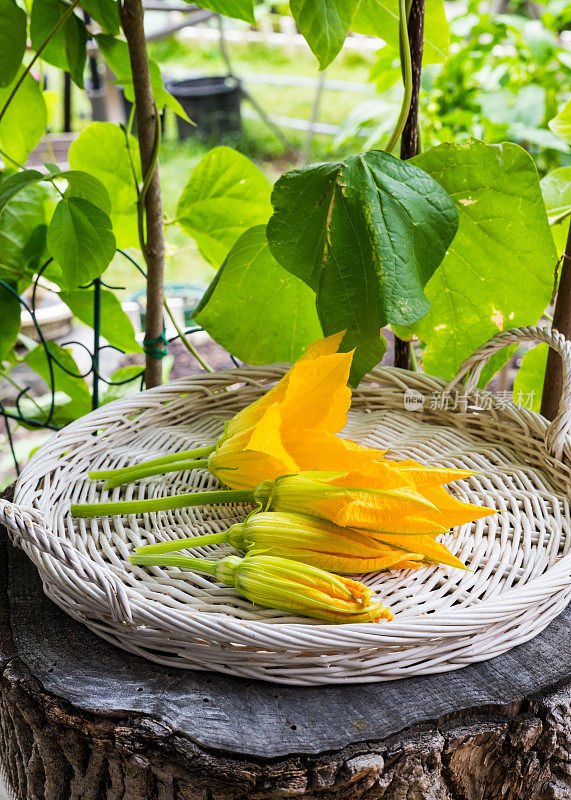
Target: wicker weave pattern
x=520, y=560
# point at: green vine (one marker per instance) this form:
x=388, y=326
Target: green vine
x=406, y=63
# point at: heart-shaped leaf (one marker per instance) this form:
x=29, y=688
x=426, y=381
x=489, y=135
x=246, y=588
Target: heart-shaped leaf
x=556, y=190
x=381, y=18
x=101, y=150
x=116, y=54
x=62, y=375
x=10, y=185
x=24, y=122
x=81, y=240
x=237, y=9
x=66, y=48
x=365, y=234
x=561, y=124
x=503, y=245
x=324, y=24
x=115, y=327
x=528, y=383
x=225, y=195
x=10, y=311
x=255, y=309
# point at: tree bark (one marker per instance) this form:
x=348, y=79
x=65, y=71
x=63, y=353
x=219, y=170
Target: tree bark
x=132, y=14
x=409, y=138
x=552, y=385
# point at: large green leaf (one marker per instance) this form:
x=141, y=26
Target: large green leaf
x=106, y=12
x=10, y=311
x=10, y=185
x=498, y=272
x=255, y=309
x=67, y=47
x=116, y=54
x=381, y=18
x=21, y=251
x=82, y=184
x=324, y=24
x=556, y=190
x=225, y=195
x=528, y=383
x=365, y=234
x=238, y=9
x=116, y=326
x=24, y=122
x=561, y=124
x=13, y=23
x=81, y=240
x=101, y=150
x=64, y=379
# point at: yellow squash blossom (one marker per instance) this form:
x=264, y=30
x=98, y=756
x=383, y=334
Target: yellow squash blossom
x=286, y=585
x=342, y=498
x=348, y=500
x=249, y=416
x=313, y=394
x=311, y=541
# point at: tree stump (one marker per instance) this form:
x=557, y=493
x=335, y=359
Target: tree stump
x=83, y=720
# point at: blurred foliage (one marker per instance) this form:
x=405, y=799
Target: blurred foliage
x=506, y=76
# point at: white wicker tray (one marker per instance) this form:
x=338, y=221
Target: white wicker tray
x=520, y=559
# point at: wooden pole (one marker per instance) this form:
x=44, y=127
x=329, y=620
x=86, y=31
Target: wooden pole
x=409, y=138
x=132, y=14
x=552, y=384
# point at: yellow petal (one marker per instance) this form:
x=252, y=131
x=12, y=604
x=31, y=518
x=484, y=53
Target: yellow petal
x=248, y=417
x=244, y=469
x=361, y=515
x=320, y=450
x=422, y=475
x=266, y=438
x=453, y=511
x=425, y=545
x=324, y=347
x=317, y=395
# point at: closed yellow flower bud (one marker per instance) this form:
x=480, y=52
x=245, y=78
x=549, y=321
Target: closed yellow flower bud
x=312, y=541
x=287, y=585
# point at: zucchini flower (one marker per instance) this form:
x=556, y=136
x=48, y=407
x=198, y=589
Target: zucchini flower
x=343, y=498
x=316, y=542
x=287, y=585
x=313, y=395
x=347, y=499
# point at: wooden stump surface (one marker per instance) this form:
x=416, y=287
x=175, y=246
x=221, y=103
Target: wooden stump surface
x=83, y=720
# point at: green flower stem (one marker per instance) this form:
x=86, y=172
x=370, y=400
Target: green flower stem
x=183, y=544
x=171, y=458
x=198, y=564
x=406, y=63
x=160, y=469
x=162, y=503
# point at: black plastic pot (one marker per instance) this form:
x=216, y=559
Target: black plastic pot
x=128, y=105
x=212, y=102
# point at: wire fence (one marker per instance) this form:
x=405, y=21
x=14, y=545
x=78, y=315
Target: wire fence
x=36, y=417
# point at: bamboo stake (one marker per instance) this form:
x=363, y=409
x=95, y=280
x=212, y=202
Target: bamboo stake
x=409, y=137
x=553, y=382
x=148, y=128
